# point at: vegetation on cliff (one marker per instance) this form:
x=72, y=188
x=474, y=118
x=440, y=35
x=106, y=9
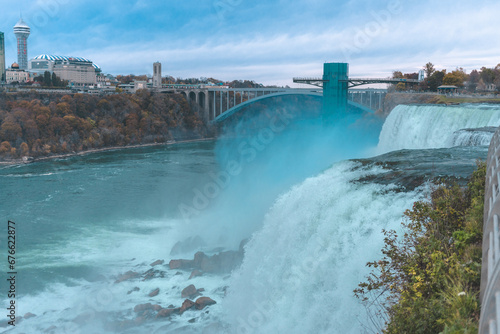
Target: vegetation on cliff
x=43, y=124
x=429, y=278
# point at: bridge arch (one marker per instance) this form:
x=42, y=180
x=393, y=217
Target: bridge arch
x=231, y=111
x=228, y=113
x=192, y=96
x=202, y=100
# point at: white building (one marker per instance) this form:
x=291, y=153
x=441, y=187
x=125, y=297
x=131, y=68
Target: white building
x=14, y=74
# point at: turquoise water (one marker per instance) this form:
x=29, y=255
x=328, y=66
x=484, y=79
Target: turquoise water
x=313, y=218
x=67, y=208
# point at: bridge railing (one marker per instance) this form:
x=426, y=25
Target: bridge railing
x=490, y=271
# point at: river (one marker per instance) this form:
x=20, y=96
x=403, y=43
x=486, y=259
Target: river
x=311, y=201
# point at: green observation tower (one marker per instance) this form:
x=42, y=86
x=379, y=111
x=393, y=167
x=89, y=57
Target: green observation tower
x=335, y=83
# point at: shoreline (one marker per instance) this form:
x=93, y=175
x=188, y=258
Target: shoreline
x=97, y=150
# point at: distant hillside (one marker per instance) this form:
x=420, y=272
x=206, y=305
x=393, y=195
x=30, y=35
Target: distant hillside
x=38, y=125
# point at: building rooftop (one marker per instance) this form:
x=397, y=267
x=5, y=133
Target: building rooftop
x=65, y=58
x=21, y=28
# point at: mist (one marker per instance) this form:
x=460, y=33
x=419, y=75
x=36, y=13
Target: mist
x=261, y=156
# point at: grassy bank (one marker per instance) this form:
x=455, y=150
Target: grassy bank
x=429, y=277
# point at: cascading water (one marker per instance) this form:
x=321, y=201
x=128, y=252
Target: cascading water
x=432, y=126
x=300, y=269
x=308, y=246
x=473, y=137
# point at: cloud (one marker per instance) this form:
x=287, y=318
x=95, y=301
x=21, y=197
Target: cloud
x=267, y=41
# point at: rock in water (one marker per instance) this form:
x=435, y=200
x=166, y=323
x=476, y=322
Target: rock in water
x=195, y=273
x=189, y=291
x=186, y=305
x=155, y=292
x=157, y=262
x=203, y=301
x=128, y=275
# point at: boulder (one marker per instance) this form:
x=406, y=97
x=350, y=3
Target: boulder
x=134, y=289
x=156, y=263
x=143, y=307
x=195, y=273
x=128, y=275
x=155, y=292
x=166, y=312
x=202, y=302
x=186, y=305
x=181, y=264
x=189, y=291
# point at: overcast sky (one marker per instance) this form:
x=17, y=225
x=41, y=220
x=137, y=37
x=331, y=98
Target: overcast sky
x=269, y=41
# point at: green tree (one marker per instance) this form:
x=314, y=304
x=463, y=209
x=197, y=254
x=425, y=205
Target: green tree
x=436, y=80
x=429, y=69
x=47, y=79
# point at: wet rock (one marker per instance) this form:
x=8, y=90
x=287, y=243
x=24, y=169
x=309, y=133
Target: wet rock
x=155, y=292
x=29, y=315
x=151, y=273
x=167, y=312
x=199, y=258
x=189, y=291
x=188, y=245
x=181, y=264
x=203, y=301
x=128, y=275
x=195, y=273
x=201, y=289
x=186, y=305
x=223, y=262
x=143, y=307
x=156, y=263
x=134, y=289
x=192, y=320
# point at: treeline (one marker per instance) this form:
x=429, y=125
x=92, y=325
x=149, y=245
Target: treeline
x=126, y=79
x=483, y=80
x=33, y=124
x=429, y=278
x=50, y=80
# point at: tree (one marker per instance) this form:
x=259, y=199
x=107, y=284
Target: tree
x=47, y=79
x=455, y=78
x=429, y=69
x=436, y=80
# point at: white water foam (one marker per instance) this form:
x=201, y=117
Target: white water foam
x=300, y=269
x=473, y=137
x=432, y=126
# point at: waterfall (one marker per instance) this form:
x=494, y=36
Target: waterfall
x=301, y=268
x=432, y=126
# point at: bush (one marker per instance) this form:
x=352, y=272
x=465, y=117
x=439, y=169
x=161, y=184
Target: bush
x=428, y=280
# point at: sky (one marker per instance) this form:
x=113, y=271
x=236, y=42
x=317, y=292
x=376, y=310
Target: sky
x=267, y=41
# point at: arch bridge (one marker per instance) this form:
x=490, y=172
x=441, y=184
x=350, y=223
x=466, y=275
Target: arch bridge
x=217, y=103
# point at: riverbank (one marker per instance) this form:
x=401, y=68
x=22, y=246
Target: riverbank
x=26, y=160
